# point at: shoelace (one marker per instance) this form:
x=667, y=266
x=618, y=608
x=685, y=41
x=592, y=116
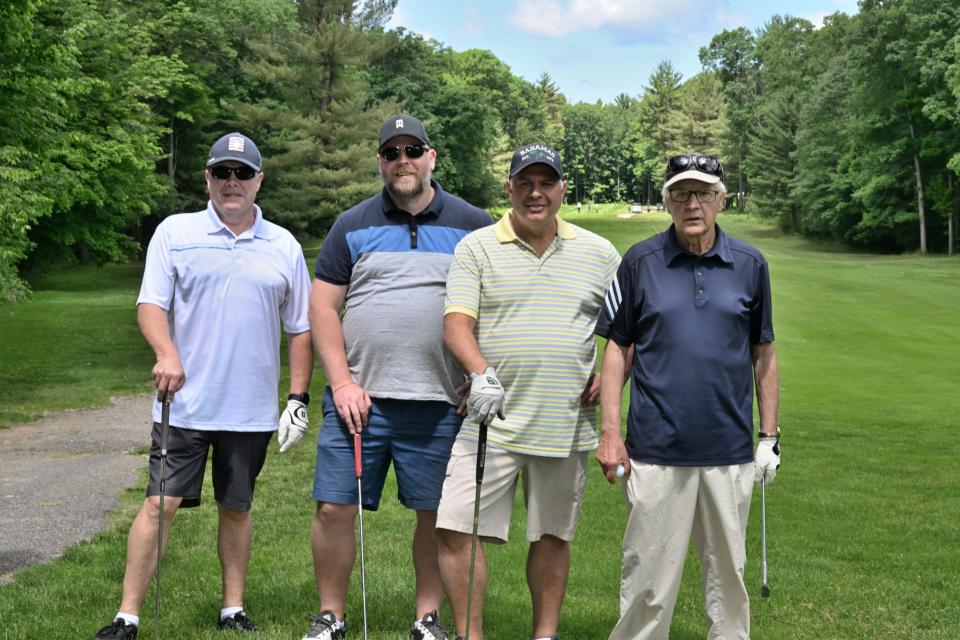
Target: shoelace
x=241, y=620
x=428, y=625
x=323, y=624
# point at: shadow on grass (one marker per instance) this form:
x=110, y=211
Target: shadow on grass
x=88, y=278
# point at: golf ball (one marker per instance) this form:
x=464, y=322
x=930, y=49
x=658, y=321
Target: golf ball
x=620, y=470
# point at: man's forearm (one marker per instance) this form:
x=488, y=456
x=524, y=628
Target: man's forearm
x=613, y=376
x=766, y=371
x=156, y=330
x=328, y=338
x=462, y=343
x=301, y=361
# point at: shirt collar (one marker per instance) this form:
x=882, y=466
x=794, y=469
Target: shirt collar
x=435, y=208
x=504, y=233
x=260, y=228
x=719, y=251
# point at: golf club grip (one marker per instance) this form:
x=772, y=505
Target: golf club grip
x=164, y=418
x=357, y=456
x=481, y=451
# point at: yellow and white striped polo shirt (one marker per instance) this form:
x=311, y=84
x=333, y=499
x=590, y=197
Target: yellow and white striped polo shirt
x=535, y=321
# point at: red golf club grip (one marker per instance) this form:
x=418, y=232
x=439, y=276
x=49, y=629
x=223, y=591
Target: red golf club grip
x=357, y=456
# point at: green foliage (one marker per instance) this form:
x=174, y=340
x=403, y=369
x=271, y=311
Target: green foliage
x=822, y=185
x=697, y=122
x=313, y=126
x=732, y=56
x=107, y=109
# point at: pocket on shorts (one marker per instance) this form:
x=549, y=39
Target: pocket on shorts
x=451, y=462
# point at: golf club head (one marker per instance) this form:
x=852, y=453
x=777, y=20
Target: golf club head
x=764, y=591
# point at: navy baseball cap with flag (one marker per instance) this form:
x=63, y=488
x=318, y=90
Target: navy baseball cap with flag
x=402, y=125
x=235, y=146
x=535, y=154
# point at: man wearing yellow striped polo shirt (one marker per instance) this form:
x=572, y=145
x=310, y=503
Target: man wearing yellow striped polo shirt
x=522, y=301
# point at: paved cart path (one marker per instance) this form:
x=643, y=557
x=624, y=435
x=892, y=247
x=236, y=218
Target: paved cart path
x=60, y=476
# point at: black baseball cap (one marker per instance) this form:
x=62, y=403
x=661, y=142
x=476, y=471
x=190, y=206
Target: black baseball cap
x=535, y=154
x=402, y=125
x=235, y=146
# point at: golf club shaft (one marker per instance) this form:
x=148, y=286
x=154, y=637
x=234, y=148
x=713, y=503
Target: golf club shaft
x=764, y=589
x=358, y=471
x=481, y=463
x=164, y=429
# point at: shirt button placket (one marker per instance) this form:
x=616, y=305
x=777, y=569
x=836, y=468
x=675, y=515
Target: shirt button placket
x=700, y=298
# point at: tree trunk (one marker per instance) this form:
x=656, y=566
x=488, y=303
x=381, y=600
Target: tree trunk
x=920, y=205
x=741, y=196
x=171, y=156
x=952, y=218
x=921, y=210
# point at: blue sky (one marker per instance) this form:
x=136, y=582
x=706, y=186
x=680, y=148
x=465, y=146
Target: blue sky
x=596, y=49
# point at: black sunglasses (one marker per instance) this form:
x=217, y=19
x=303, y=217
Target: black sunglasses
x=707, y=164
x=221, y=172
x=412, y=151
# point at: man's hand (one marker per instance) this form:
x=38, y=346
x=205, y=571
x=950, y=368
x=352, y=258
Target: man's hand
x=293, y=424
x=766, y=460
x=353, y=404
x=611, y=453
x=590, y=395
x=486, y=396
x=463, y=392
x=168, y=375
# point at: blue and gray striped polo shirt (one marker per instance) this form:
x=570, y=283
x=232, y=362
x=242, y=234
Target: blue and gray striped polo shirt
x=394, y=266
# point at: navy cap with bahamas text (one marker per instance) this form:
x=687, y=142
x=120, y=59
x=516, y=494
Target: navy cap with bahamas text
x=402, y=125
x=237, y=147
x=532, y=154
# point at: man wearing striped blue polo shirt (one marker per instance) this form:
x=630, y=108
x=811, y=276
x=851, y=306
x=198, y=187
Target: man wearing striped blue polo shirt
x=523, y=297
x=376, y=307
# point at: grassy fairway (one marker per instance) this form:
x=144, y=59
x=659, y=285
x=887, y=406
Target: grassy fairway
x=862, y=520
x=74, y=344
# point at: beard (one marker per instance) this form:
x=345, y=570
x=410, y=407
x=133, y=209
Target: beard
x=404, y=193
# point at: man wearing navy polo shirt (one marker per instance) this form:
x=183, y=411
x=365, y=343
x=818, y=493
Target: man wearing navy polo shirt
x=377, y=314
x=695, y=305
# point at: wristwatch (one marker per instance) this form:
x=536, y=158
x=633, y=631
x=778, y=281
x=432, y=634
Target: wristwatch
x=775, y=434
x=302, y=397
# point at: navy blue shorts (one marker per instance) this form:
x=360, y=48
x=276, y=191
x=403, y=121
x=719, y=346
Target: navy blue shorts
x=416, y=436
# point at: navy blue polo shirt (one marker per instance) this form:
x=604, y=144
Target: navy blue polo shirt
x=692, y=320
x=395, y=266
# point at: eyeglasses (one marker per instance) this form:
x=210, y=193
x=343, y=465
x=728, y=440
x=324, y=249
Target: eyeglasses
x=707, y=164
x=705, y=196
x=221, y=172
x=412, y=151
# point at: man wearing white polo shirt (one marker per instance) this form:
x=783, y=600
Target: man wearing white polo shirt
x=522, y=301
x=218, y=285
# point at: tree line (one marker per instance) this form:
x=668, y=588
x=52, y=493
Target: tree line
x=108, y=107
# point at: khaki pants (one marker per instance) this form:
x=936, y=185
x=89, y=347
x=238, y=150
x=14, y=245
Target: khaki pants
x=667, y=506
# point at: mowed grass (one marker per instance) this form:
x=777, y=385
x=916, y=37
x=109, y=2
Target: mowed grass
x=863, y=518
x=75, y=343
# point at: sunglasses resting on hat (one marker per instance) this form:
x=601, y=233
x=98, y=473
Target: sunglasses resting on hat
x=694, y=162
x=412, y=151
x=223, y=173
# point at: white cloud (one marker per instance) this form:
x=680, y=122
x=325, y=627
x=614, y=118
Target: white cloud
x=562, y=17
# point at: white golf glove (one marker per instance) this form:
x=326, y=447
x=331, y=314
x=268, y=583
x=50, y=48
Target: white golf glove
x=293, y=424
x=766, y=460
x=486, y=396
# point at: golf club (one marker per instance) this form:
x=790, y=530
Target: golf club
x=164, y=428
x=481, y=461
x=358, y=471
x=764, y=589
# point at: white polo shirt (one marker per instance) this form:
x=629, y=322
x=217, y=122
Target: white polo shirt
x=225, y=297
